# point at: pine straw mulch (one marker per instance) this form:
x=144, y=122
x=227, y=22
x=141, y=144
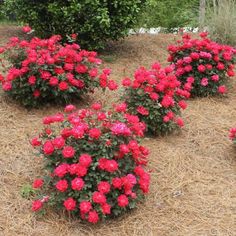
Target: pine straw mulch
x=193, y=173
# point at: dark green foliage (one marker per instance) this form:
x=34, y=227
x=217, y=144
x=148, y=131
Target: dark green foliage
x=95, y=21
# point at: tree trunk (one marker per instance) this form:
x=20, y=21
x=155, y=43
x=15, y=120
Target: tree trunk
x=202, y=13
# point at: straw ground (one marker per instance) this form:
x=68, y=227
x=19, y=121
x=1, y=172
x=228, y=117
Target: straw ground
x=193, y=173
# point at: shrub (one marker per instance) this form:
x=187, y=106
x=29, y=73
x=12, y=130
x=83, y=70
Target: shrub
x=170, y=14
x=202, y=66
x=155, y=98
x=232, y=135
x=221, y=22
x=40, y=70
x=94, y=163
x=95, y=21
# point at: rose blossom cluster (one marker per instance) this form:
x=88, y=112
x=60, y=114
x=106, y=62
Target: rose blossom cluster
x=155, y=97
x=232, y=134
x=42, y=70
x=202, y=66
x=94, y=160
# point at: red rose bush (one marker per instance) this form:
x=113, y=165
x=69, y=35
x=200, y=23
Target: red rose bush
x=95, y=164
x=202, y=66
x=155, y=97
x=232, y=134
x=42, y=70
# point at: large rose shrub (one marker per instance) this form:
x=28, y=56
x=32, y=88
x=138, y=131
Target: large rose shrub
x=94, y=163
x=155, y=97
x=202, y=66
x=42, y=70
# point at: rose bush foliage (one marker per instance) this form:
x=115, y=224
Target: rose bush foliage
x=42, y=70
x=94, y=163
x=155, y=97
x=202, y=66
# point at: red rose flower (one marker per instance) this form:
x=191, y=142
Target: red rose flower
x=85, y=160
x=126, y=82
x=69, y=108
x=68, y=152
x=117, y=183
x=95, y=133
x=70, y=204
x=104, y=187
x=62, y=185
x=93, y=217
x=96, y=106
x=143, y=111
x=111, y=166
x=58, y=142
x=26, y=29
x=180, y=122
x=182, y=104
x=36, y=93
x=201, y=68
x=38, y=183
x=63, y=86
x=85, y=206
x=77, y=184
x=53, y=81
x=32, y=80
x=122, y=200
x=81, y=170
x=106, y=209
x=99, y=198
x=48, y=148
x=37, y=205
x=222, y=89
x=35, y=142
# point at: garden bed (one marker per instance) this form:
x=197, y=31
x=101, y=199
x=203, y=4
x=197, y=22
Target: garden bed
x=193, y=173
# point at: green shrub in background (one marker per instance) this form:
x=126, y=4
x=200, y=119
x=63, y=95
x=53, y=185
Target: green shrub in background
x=95, y=21
x=170, y=14
x=221, y=21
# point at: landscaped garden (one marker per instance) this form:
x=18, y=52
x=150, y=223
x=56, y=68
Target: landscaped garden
x=135, y=139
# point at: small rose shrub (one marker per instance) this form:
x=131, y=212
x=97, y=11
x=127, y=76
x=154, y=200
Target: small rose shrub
x=232, y=135
x=42, y=70
x=94, y=163
x=202, y=66
x=155, y=97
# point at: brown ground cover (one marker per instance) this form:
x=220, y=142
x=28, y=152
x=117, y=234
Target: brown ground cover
x=193, y=190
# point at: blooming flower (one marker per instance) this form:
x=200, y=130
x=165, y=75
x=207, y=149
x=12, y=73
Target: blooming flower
x=204, y=82
x=85, y=160
x=77, y=184
x=37, y=205
x=122, y=200
x=68, y=152
x=95, y=133
x=85, y=206
x=99, y=198
x=26, y=29
x=70, y=204
x=38, y=183
x=222, y=89
x=48, y=148
x=62, y=185
x=93, y=217
x=104, y=187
